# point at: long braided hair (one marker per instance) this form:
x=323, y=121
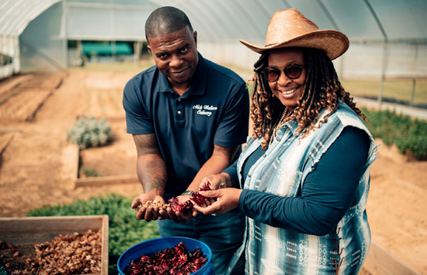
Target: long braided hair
x=322, y=89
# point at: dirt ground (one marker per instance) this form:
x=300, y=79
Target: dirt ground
x=34, y=165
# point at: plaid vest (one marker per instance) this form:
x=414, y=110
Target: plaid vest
x=282, y=171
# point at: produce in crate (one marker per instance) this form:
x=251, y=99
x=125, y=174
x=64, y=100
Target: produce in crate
x=78, y=253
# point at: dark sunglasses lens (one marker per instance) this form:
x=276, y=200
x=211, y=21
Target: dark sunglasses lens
x=293, y=71
x=272, y=74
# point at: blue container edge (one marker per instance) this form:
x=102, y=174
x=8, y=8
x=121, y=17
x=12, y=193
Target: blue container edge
x=207, y=269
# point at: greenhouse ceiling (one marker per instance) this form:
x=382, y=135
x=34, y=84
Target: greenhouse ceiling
x=15, y=15
x=393, y=21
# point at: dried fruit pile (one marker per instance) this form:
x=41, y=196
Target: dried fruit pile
x=69, y=254
x=176, y=260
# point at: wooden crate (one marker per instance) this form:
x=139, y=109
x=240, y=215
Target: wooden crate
x=32, y=230
x=380, y=261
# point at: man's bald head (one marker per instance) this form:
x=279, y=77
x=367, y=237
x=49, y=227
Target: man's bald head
x=166, y=20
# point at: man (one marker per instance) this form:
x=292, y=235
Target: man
x=188, y=117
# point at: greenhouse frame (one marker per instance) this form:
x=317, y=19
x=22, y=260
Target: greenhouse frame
x=388, y=38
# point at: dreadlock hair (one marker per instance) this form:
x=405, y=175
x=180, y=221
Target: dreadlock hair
x=322, y=89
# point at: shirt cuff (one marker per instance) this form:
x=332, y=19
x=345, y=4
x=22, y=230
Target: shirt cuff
x=232, y=172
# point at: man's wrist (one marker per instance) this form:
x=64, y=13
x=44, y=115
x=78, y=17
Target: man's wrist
x=188, y=192
x=226, y=181
x=155, y=192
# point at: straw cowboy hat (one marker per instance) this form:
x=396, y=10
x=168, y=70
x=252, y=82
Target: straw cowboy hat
x=289, y=28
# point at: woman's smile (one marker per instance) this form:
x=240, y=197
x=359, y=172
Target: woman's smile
x=287, y=90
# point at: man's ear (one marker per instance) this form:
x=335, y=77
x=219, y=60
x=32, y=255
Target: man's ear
x=195, y=37
x=149, y=48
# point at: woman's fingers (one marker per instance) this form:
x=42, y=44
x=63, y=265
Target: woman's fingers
x=211, y=194
x=206, y=210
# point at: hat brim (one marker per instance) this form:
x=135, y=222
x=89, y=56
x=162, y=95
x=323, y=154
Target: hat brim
x=334, y=43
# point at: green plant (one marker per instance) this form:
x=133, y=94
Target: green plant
x=90, y=172
x=406, y=133
x=394, y=90
x=90, y=132
x=125, y=230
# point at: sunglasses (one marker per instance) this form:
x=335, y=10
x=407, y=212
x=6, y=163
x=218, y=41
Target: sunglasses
x=292, y=71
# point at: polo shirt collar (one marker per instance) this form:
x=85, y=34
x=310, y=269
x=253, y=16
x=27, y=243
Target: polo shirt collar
x=198, y=85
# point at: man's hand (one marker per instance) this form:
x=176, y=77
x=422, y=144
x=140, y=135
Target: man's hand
x=179, y=216
x=151, y=170
x=153, y=211
x=213, y=182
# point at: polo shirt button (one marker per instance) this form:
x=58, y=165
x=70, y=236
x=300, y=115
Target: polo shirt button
x=179, y=112
x=179, y=99
x=277, y=138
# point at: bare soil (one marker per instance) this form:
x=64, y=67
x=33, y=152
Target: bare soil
x=34, y=165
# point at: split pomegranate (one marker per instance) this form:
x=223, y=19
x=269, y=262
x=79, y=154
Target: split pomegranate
x=175, y=260
x=198, y=199
x=183, y=208
x=175, y=205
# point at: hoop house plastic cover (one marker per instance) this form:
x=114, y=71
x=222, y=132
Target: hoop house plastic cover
x=387, y=36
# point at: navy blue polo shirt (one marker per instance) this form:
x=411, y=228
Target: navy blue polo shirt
x=215, y=110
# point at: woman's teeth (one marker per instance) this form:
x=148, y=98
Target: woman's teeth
x=288, y=92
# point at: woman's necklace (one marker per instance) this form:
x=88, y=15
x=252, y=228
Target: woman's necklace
x=279, y=123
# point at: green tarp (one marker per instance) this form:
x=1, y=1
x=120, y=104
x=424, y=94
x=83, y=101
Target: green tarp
x=105, y=49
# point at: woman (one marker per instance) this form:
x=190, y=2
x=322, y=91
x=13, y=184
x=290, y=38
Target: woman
x=304, y=174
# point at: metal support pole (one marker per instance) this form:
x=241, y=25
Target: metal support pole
x=383, y=69
x=17, y=55
x=137, y=48
x=65, y=38
x=414, y=65
x=341, y=74
x=414, y=81
x=80, y=52
x=1, y=56
x=112, y=33
x=385, y=55
x=113, y=50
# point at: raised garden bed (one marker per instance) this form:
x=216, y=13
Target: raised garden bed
x=380, y=261
x=114, y=163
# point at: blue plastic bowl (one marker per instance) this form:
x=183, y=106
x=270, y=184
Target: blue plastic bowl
x=151, y=246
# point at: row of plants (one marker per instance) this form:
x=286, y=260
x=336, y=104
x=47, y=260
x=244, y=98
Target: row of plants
x=89, y=132
x=408, y=134
x=125, y=230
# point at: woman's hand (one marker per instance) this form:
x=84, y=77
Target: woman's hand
x=214, y=182
x=224, y=200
